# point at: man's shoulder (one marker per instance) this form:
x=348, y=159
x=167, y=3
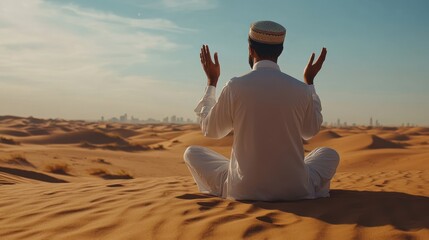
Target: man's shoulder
x=294, y=80
x=235, y=81
x=256, y=75
x=243, y=79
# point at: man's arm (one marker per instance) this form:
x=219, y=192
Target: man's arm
x=215, y=117
x=313, y=116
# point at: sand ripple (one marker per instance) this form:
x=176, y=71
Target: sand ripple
x=365, y=206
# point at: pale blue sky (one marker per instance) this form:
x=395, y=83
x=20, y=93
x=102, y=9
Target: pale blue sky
x=84, y=59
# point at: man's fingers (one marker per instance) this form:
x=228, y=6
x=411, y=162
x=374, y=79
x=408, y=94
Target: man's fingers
x=202, y=59
x=216, y=59
x=310, y=62
x=322, y=56
x=206, y=59
x=208, y=56
x=323, y=53
x=203, y=56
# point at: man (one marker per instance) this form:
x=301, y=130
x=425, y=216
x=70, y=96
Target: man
x=270, y=113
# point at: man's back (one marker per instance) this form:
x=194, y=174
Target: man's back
x=268, y=111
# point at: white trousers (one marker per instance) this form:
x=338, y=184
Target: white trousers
x=209, y=169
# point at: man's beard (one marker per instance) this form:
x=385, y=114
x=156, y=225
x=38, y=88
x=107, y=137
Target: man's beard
x=251, y=61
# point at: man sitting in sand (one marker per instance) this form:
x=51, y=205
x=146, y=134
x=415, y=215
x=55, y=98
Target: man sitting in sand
x=270, y=113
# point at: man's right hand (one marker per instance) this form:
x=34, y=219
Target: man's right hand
x=311, y=69
x=212, y=69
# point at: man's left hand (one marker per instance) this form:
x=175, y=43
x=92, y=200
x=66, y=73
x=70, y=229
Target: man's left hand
x=311, y=69
x=212, y=69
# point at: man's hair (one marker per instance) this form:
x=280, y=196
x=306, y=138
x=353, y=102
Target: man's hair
x=266, y=50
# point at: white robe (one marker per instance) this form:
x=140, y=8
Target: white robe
x=270, y=113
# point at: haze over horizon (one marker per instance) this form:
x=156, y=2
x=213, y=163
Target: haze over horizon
x=77, y=59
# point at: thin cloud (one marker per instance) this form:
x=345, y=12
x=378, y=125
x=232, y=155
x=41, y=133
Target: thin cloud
x=189, y=4
x=158, y=24
x=181, y=5
x=47, y=41
x=64, y=53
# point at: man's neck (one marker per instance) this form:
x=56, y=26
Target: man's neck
x=268, y=59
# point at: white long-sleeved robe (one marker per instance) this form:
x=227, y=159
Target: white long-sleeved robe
x=270, y=113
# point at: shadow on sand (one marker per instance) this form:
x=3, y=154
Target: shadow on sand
x=31, y=175
x=365, y=208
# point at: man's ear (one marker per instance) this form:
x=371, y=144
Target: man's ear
x=252, y=52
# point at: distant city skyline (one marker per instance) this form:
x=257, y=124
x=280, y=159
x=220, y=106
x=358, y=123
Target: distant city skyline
x=168, y=119
x=78, y=59
x=181, y=120
x=178, y=119
x=371, y=123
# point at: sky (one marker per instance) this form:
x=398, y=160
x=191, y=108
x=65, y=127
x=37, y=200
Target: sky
x=79, y=59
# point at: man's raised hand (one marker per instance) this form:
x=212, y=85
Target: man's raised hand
x=212, y=69
x=311, y=69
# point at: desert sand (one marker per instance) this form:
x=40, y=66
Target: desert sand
x=92, y=180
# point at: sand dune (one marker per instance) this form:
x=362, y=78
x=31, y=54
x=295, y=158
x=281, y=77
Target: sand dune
x=155, y=137
x=387, y=159
x=197, y=138
x=395, y=136
x=122, y=132
x=416, y=131
x=354, y=142
x=89, y=136
x=8, y=119
x=38, y=131
x=30, y=175
x=14, y=133
x=88, y=180
x=117, y=147
x=325, y=135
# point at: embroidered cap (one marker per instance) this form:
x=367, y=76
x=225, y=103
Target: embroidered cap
x=267, y=32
